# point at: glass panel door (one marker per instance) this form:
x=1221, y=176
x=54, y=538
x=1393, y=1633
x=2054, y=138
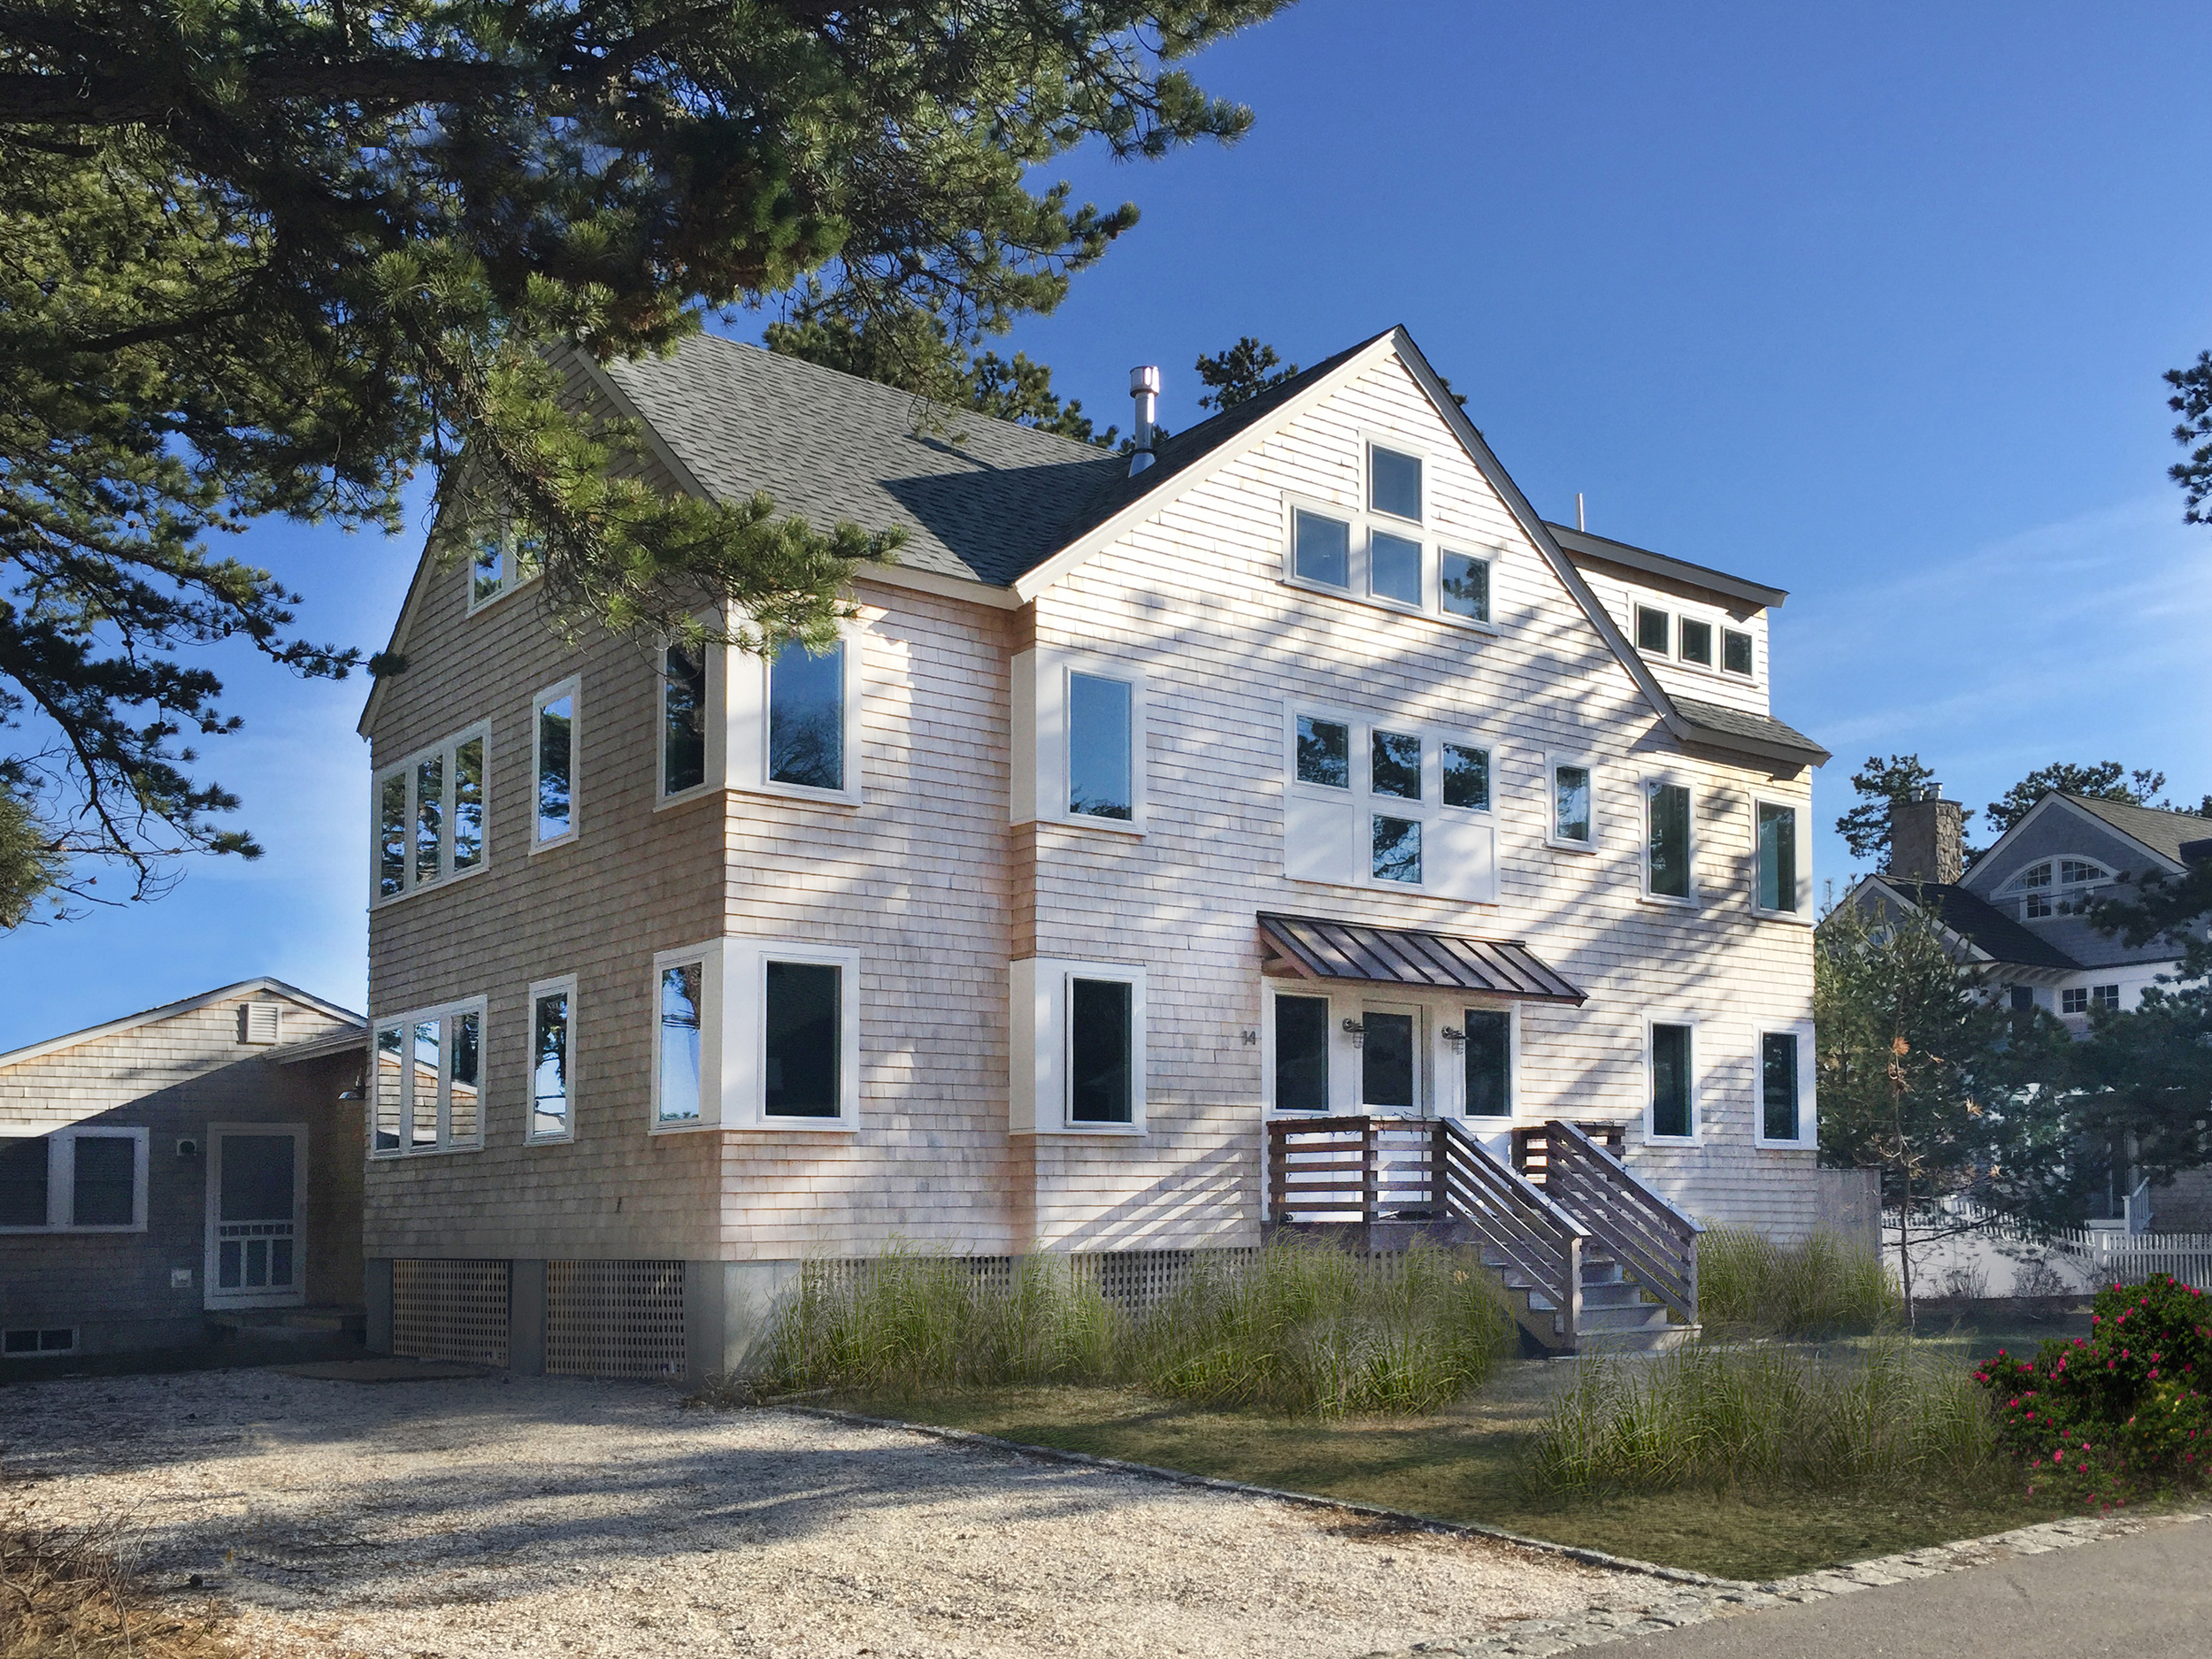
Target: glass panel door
x=253, y=1254
x=1390, y=1058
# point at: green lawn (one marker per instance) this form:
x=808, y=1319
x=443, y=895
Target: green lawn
x=1466, y=1466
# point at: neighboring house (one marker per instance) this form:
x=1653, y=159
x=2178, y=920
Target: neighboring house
x=193, y=1163
x=2020, y=912
x=1142, y=818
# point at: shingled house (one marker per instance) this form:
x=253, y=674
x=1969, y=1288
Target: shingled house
x=1160, y=841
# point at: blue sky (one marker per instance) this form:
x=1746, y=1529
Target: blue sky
x=1869, y=303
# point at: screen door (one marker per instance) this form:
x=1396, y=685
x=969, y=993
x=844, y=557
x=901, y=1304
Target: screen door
x=255, y=1179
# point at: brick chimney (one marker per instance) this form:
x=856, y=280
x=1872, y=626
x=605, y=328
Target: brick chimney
x=1925, y=837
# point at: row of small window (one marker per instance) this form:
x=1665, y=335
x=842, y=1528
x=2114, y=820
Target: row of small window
x=76, y=1181
x=1690, y=640
x=1385, y=1072
x=1382, y=555
x=2078, y=1000
x=2038, y=882
x=432, y=823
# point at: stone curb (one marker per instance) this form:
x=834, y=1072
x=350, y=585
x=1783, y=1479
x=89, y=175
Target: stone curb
x=1308, y=1500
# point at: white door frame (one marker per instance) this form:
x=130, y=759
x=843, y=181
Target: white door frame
x=296, y=1294
x=1423, y=1069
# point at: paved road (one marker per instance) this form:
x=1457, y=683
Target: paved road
x=2144, y=1595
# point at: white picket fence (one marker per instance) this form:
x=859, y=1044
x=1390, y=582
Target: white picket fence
x=1967, y=1245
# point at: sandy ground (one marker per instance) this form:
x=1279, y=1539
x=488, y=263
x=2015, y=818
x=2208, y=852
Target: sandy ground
x=491, y=1517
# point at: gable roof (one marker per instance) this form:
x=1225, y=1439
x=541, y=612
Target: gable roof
x=1002, y=512
x=2181, y=837
x=1980, y=923
x=1582, y=544
x=169, y=1010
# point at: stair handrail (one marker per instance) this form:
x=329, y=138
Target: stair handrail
x=1550, y=1254
x=1616, y=1197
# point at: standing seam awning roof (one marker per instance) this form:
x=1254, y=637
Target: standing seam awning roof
x=1321, y=949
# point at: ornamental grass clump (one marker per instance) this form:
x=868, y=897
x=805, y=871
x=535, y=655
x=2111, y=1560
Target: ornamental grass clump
x=1764, y=1416
x=2120, y=1413
x=1306, y=1331
x=908, y=1320
x=1817, y=1286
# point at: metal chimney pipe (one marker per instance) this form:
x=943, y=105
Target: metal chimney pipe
x=1144, y=386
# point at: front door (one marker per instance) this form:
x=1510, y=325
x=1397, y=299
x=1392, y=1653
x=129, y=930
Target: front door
x=257, y=1177
x=1390, y=1060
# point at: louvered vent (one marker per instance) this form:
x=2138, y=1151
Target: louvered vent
x=258, y=1021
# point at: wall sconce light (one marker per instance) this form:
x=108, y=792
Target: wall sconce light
x=1356, y=1031
x=1456, y=1038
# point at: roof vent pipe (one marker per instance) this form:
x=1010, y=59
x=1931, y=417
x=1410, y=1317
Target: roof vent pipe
x=1144, y=386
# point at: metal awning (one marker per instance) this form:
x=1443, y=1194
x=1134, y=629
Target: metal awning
x=1319, y=949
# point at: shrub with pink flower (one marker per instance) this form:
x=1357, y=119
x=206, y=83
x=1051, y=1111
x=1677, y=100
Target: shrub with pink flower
x=2120, y=1412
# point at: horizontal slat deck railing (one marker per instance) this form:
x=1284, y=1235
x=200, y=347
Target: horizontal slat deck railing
x=1364, y=1170
x=1654, y=1240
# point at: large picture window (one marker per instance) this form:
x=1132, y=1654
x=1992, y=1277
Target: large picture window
x=428, y=1088
x=430, y=815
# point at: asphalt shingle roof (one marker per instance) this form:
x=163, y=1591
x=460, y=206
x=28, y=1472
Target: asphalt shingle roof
x=2004, y=939
x=1735, y=723
x=980, y=498
x=2184, y=837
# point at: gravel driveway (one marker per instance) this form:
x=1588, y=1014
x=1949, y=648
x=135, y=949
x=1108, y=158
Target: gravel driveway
x=553, y=1517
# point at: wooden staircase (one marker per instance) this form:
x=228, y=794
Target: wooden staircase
x=1590, y=1256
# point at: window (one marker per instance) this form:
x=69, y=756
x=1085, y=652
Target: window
x=552, y=1060
x=1463, y=585
x=1673, y=1114
x=806, y=716
x=430, y=824
x=2105, y=998
x=1467, y=777
x=1302, y=1054
x=1572, y=824
x=553, y=726
x=801, y=1024
x=2074, y=872
x=1654, y=630
x=1785, y=1087
x=2035, y=906
x=683, y=717
x=79, y=1180
x=1394, y=482
x=1078, y=740
x=2036, y=876
x=1393, y=568
x=1099, y=1057
x=2022, y=999
x=1099, y=771
x=1735, y=653
x=1078, y=1047
x=1667, y=841
x=1697, y=641
x=429, y=1088
x=1416, y=815
x=678, y=1045
x=1322, y=548
x=506, y=558
x=1488, y=1056
x=1780, y=886
x=32, y=1342
x=2074, y=1000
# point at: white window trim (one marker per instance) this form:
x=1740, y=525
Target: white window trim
x=745, y=1034
x=1696, y=1137
x=1359, y=573
x=1713, y=623
x=61, y=1177
x=744, y=721
x=716, y=737
x=443, y=749
x=1312, y=991
x=75, y=1334
x=1751, y=676
x=709, y=956
x=1636, y=608
x=558, y=984
x=1360, y=796
x=1553, y=759
x=405, y=1023
x=1802, y=916
x=1455, y=1061
x=572, y=688
x=1038, y=999
x=1371, y=440
x=1440, y=1082
x=1647, y=786
x=1042, y=754
x=1807, y=1116
x=511, y=581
